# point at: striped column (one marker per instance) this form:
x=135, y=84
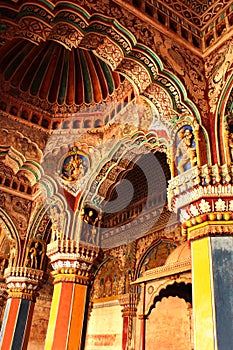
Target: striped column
x=16, y=324
x=212, y=261
x=66, y=329
x=72, y=263
x=22, y=285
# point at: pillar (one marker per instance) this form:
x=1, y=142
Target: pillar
x=202, y=198
x=72, y=263
x=129, y=311
x=22, y=286
x=142, y=317
x=212, y=261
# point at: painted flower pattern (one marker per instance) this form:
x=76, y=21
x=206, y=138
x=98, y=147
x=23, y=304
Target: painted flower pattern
x=193, y=210
x=220, y=205
x=231, y=205
x=204, y=206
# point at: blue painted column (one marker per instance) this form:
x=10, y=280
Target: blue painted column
x=222, y=270
x=212, y=280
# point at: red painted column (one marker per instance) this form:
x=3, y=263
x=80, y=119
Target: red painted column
x=22, y=283
x=71, y=262
x=125, y=332
x=129, y=303
x=142, y=319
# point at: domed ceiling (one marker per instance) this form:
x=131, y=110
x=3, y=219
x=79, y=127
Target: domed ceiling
x=51, y=77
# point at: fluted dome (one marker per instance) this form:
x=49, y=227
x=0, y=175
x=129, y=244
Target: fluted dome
x=54, y=75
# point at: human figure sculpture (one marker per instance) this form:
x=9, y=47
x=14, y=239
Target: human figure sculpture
x=90, y=228
x=35, y=256
x=12, y=254
x=185, y=151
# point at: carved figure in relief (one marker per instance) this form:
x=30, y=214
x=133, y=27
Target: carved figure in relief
x=57, y=218
x=35, y=255
x=90, y=228
x=12, y=254
x=186, y=150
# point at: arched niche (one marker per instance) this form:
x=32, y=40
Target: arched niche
x=190, y=146
x=10, y=246
x=169, y=322
x=156, y=255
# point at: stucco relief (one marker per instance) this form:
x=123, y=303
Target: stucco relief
x=20, y=207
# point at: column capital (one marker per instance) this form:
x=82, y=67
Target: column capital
x=23, y=282
x=3, y=288
x=129, y=302
x=72, y=261
x=201, y=182
x=203, y=199
x=210, y=229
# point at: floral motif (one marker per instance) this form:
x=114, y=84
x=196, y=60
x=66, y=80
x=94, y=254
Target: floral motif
x=204, y=206
x=184, y=215
x=220, y=205
x=193, y=210
x=231, y=205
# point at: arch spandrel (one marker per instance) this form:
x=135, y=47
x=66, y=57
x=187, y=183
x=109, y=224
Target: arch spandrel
x=223, y=124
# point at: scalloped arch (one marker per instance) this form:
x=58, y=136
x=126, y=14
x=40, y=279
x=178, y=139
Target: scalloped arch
x=161, y=291
x=116, y=164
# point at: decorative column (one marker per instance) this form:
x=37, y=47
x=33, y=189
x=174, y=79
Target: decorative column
x=23, y=284
x=72, y=263
x=203, y=198
x=129, y=311
x=142, y=317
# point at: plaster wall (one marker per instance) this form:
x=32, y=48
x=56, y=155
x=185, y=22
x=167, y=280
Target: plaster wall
x=105, y=327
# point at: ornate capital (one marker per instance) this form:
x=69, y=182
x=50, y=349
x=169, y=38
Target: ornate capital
x=206, y=181
x=129, y=302
x=72, y=261
x=3, y=289
x=203, y=199
x=215, y=228
x=23, y=282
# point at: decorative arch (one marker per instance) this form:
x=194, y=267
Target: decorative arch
x=119, y=161
x=180, y=287
x=92, y=28
x=8, y=229
x=109, y=280
x=162, y=246
x=55, y=208
x=222, y=125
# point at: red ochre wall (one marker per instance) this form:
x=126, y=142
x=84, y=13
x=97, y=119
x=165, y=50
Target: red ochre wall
x=105, y=327
x=169, y=326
